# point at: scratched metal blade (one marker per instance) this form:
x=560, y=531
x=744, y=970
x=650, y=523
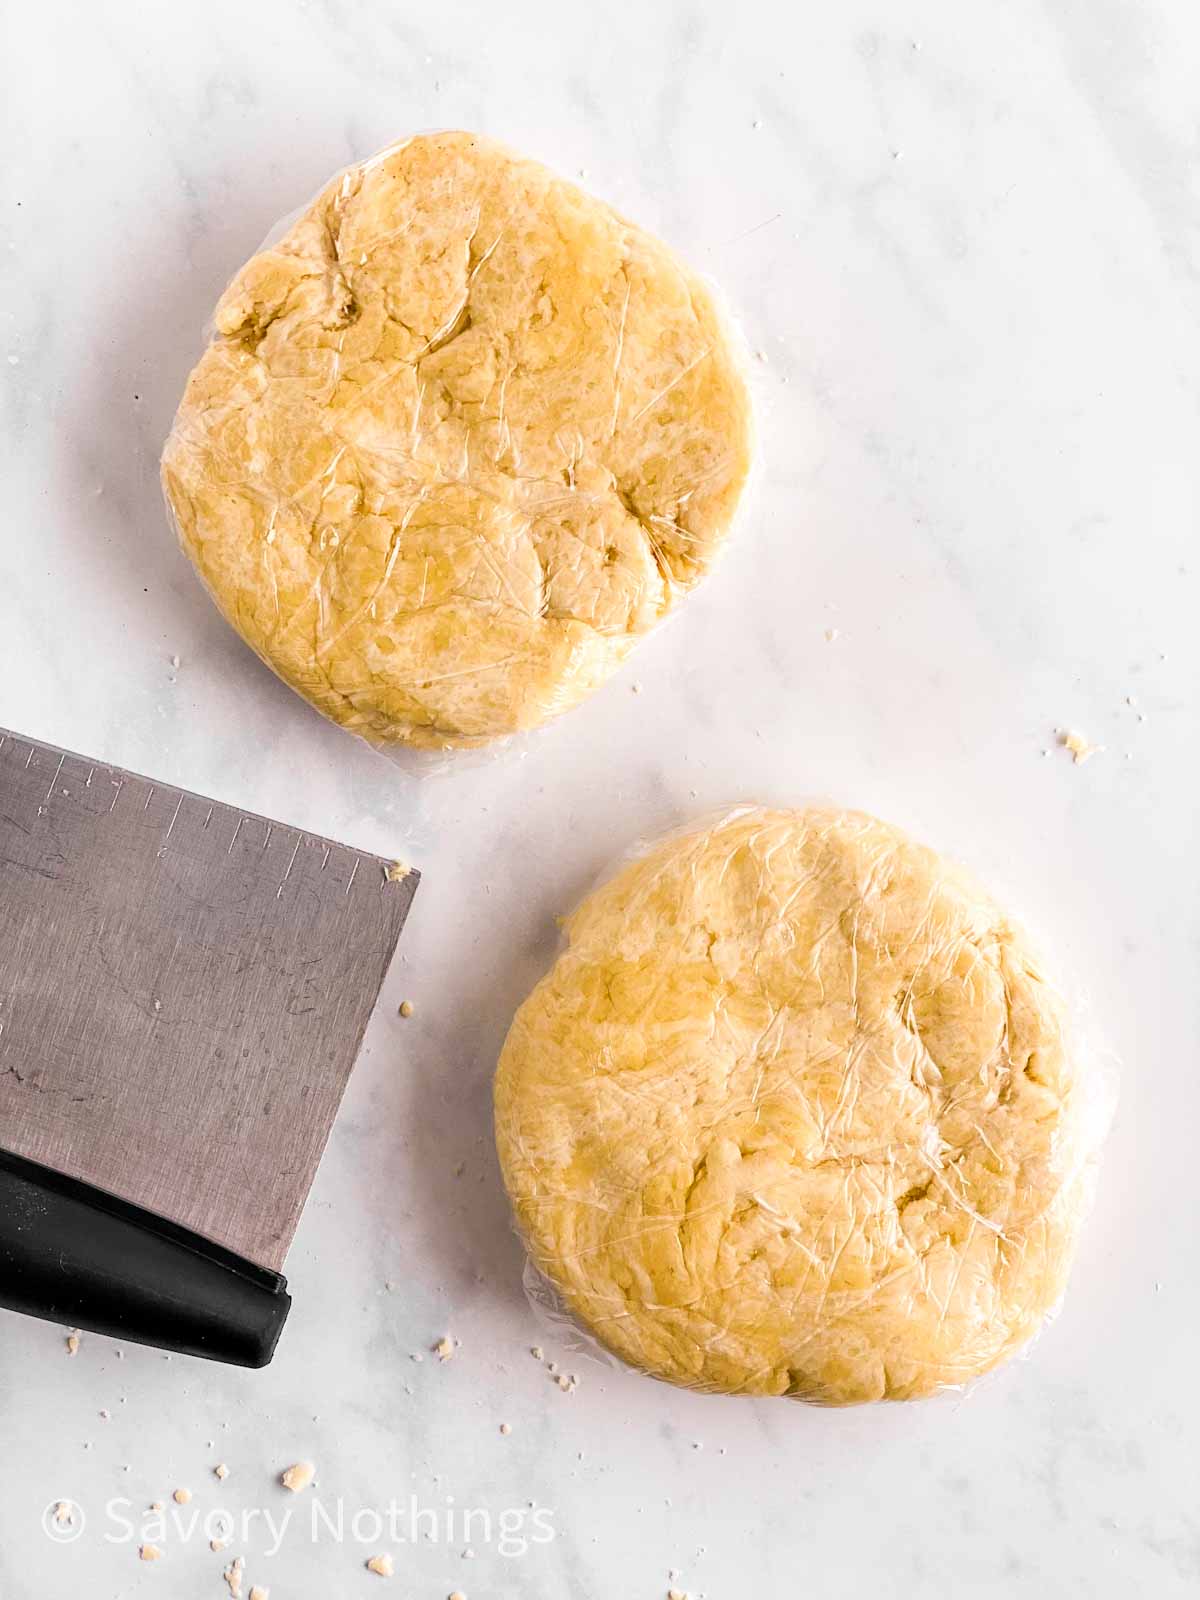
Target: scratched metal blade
x=183, y=991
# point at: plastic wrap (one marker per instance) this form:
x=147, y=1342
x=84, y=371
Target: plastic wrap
x=796, y=1112
x=461, y=437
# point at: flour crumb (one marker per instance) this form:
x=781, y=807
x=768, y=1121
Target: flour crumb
x=157, y=1506
x=298, y=1477
x=233, y=1577
x=64, y=1511
x=537, y=1352
x=457, y=1595
x=182, y=1496
x=106, y=1416
x=506, y=1428
x=216, y=1544
x=636, y=687
x=444, y=1348
x=73, y=1342
x=149, y=1552
x=676, y=1594
x=1081, y=748
x=258, y=1593
x=221, y=1471
x=831, y=634
x=382, y=1566
x=406, y=1008
x=397, y=872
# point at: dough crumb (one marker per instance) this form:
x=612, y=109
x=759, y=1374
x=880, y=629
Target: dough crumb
x=457, y=1595
x=216, y=1544
x=157, y=1506
x=537, y=1352
x=298, y=1477
x=831, y=634
x=149, y=1552
x=444, y=1348
x=676, y=1594
x=73, y=1342
x=397, y=872
x=233, y=1577
x=64, y=1512
x=258, y=1593
x=106, y=1415
x=406, y=1008
x=182, y=1496
x=1081, y=748
x=221, y=1471
x=506, y=1428
x=382, y=1566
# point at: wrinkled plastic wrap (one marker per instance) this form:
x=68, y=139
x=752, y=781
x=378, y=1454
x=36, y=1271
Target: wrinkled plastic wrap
x=462, y=436
x=796, y=1112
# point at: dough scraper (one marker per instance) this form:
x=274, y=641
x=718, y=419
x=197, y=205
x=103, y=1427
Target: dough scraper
x=184, y=988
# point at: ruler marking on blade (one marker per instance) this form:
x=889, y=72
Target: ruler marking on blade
x=290, y=865
x=118, y=785
x=353, y=875
x=54, y=779
x=149, y=797
x=174, y=819
x=207, y=820
x=88, y=780
x=325, y=859
x=236, y=831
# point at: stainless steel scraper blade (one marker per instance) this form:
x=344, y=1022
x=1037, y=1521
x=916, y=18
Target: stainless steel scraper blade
x=183, y=991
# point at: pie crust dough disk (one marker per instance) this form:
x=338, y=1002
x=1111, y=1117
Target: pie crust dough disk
x=794, y=1114
x=461, y=437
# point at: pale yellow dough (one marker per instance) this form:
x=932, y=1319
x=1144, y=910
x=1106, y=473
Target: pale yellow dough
x=795, y=1114
x=461, y=438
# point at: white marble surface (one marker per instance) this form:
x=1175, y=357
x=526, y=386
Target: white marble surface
x=966, y=239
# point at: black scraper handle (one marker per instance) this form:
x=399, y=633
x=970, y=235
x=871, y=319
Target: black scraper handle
x=74, y=1255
